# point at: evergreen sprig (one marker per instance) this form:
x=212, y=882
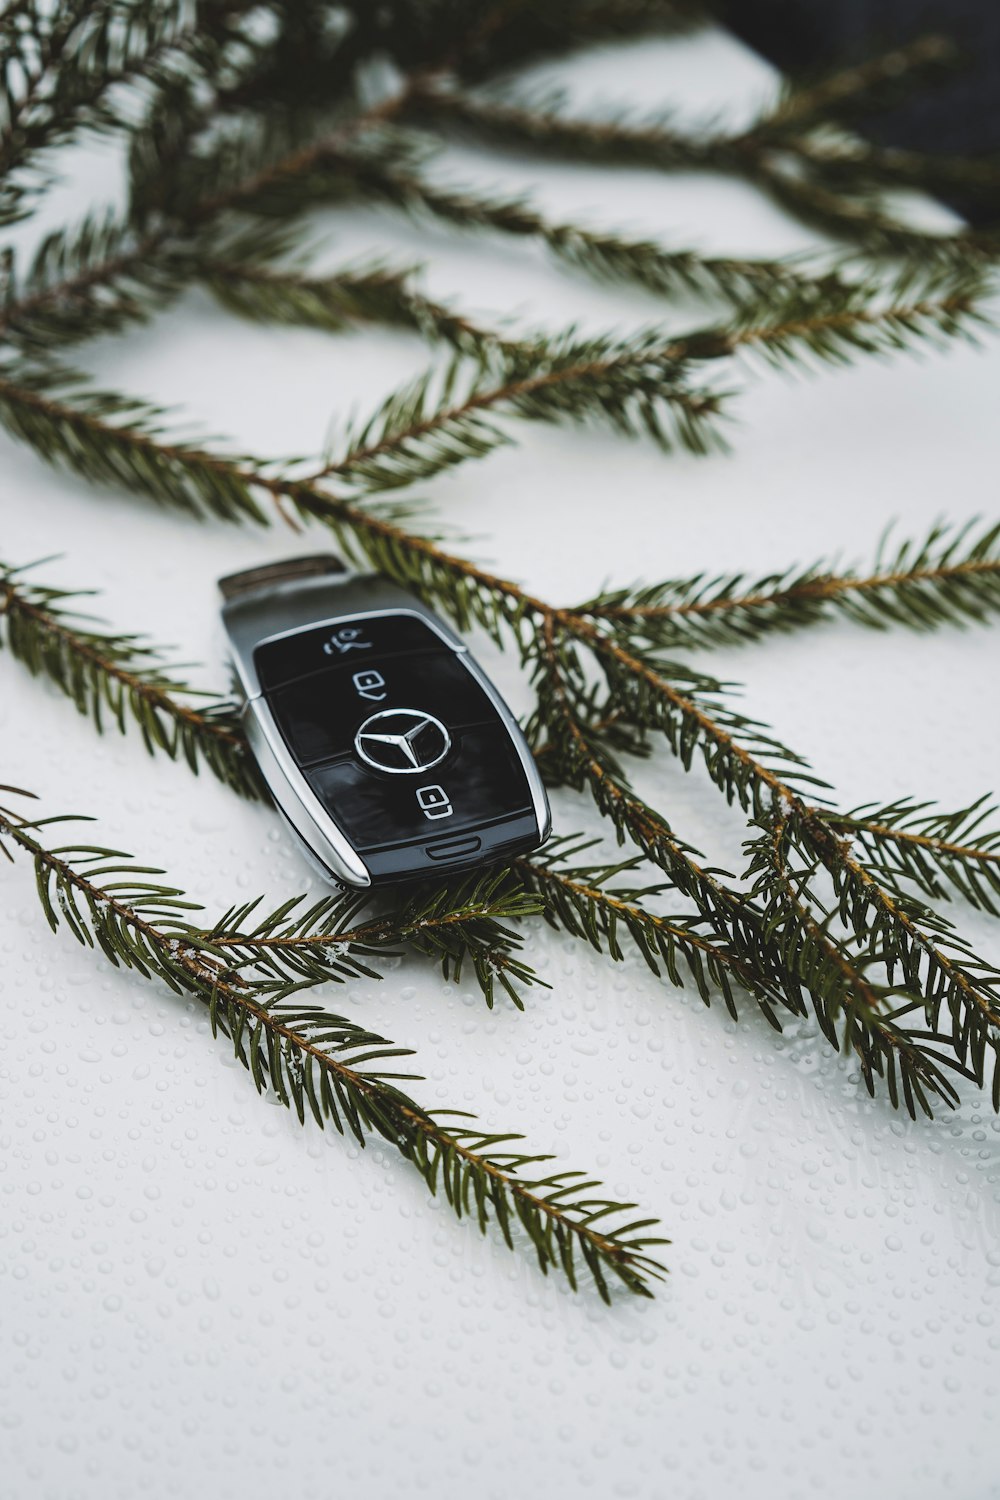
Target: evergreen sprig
x=952, y=576
x=748, y=766
x=325, y=1065
x=861, y=88
x=943, y=854
x=939, y=969
x=829, y=182
x=111, y=439
x=121, y=678
x=62, y=68
x=580, y=899
x=96, y=277
x=380, y=293
x=840, y=974
x=311, y=944
x=603, y=254
x=644, y=385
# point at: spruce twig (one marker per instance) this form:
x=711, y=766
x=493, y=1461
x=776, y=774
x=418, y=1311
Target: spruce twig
x=941, y=853
x=603, y=254
x=60, y=68
x=328, y=1066
x=108, y=272
x=122, y=677
x=911, y=1063
x=950, y=577
x=861, y=87
x=788, y=151
x=311, y=944
x=365, y=294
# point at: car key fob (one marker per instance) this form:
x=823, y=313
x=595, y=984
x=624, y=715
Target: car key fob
x=381, y=740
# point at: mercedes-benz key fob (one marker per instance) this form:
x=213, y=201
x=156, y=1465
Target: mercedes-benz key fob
x=382, y=741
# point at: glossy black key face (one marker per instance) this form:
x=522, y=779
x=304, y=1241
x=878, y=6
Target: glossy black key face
x=480, y=781
x=319, y=716
x=356, y=643
x=404, y=749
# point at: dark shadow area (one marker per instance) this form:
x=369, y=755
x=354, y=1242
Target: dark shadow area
x=958, y=112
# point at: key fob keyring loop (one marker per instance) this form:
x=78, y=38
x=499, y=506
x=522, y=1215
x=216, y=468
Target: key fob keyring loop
x=381, y=740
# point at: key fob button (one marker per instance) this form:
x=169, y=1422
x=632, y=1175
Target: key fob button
x=320, y=716
x=355, y=643
x=480, y=782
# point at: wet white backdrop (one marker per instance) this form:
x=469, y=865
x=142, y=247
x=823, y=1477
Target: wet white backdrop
x=199, y=1297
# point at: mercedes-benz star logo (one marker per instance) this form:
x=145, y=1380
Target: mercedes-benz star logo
x=402, y=740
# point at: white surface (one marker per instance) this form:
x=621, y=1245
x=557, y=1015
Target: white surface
x=198, y=1297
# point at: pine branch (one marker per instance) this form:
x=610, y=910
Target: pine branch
x=305, y=947
x=781, y=153
x=695, y=713
x=578, y=900
x=949, y=578
x=439, y=420
x=95, y=278
x=172, y=473
x=860, y=88
x=778, y=960
x=326, y=1065
x=882, y=1046
x=837, y=975
x=746, y=764
x=542, y=122
x=605, y=255
x=121, y=678
x=653, y=701
x=42, y=633
x=107, y=272
x=123, y=673
x=420, y=430
x=641, y=386
x=932, y=958
x=112, y=439
x=376, y=293
x=300, y=946
x=850, y=165
x=849, y=318
x=940, y=853
x=60, y=68
x=586, y=761
x=862, y=220
x=905, y=937
x=453, y=926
